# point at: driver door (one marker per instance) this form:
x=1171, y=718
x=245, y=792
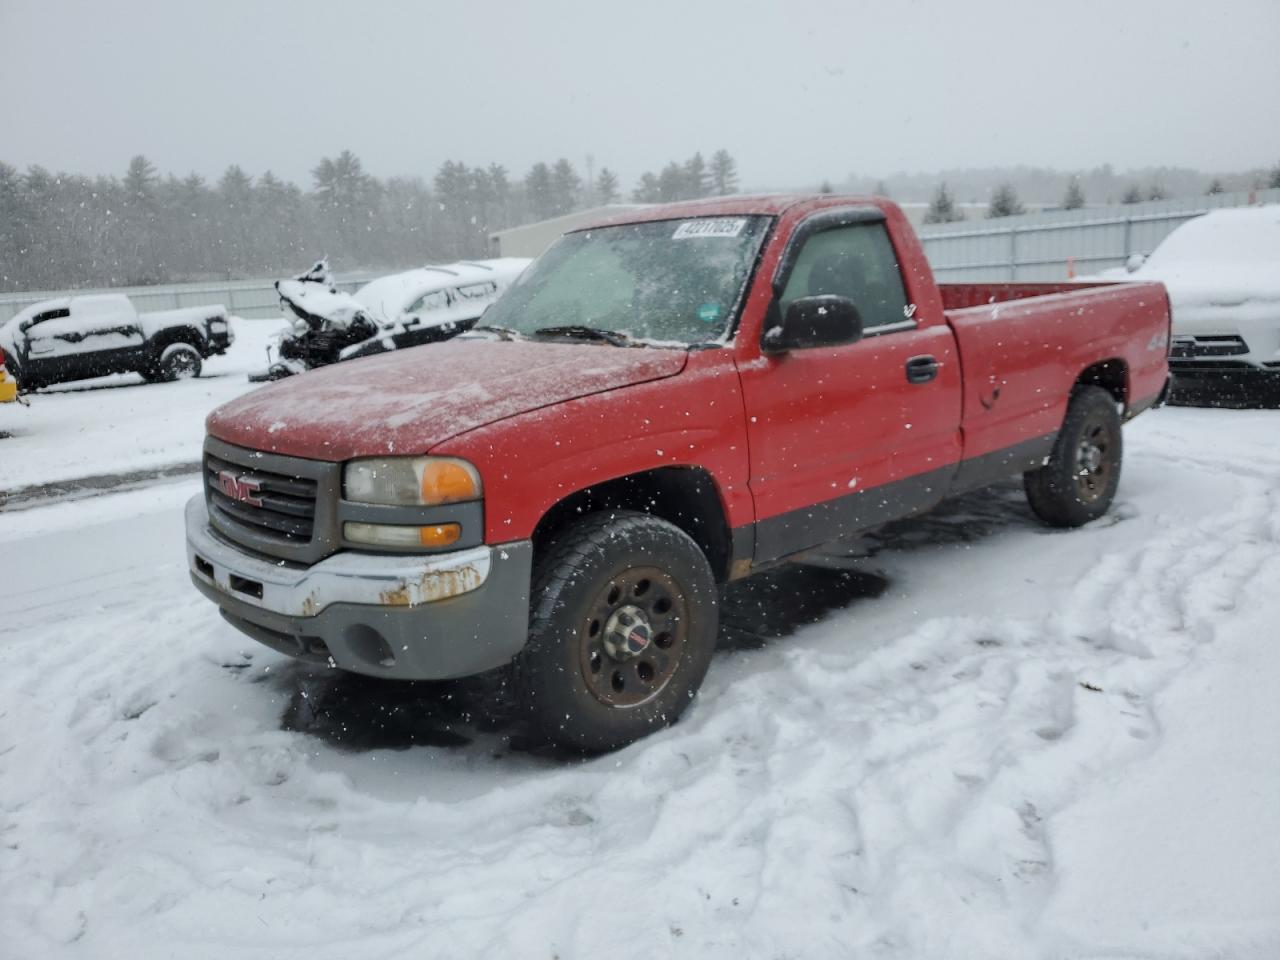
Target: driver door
x=843, y=438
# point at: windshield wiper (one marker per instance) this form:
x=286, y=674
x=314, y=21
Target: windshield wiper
x=575, y=331
x=504, y=333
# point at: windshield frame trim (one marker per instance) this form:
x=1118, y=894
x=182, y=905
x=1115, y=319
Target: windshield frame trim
x=735, y=315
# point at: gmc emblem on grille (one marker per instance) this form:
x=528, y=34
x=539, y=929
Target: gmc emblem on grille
x=241, y=489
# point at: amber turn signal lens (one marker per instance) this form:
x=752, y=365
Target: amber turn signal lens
x=441, y=535
x=448, y=481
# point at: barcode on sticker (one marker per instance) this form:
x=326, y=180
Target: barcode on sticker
x=718, y=227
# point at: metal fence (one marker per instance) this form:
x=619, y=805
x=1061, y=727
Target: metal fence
x=245, y=298
x=1055, y=244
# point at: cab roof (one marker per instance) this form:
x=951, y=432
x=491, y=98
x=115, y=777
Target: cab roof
x=763, y=204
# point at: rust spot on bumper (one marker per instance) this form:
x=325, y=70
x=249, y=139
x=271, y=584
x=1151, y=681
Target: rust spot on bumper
x=432, y=585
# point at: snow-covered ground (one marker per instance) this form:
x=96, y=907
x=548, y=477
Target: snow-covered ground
x=985, y=739
x=120, y=424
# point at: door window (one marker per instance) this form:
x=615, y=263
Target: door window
x=435, y=300
x=478, y=291
x=855, y=261
x=57, y=314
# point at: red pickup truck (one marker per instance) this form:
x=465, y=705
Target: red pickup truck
x=663, y=402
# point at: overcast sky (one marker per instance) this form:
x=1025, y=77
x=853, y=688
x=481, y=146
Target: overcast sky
x=797, y=91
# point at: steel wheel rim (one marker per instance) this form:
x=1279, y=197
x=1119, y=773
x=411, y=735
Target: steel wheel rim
x=1092, y=464
x=624, y=675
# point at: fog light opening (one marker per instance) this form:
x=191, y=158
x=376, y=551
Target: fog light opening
x=368, y=645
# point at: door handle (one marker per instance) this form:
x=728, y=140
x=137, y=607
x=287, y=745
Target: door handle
x=922, y=369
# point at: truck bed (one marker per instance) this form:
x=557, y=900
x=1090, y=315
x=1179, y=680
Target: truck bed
x=152, y=323
x=1022, y=350
x=957, y=296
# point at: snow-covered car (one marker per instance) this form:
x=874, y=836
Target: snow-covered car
x=1222, y=271
x=402, y=310
x=75, y=338
x=408, y=305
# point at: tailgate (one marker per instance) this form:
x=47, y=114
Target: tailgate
x=157, y=320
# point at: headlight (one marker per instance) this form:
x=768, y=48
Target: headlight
x=411, y=481
x=217, y=326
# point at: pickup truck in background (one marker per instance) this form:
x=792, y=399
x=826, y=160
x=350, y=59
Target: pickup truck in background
x=76, y=338
x=663, y=402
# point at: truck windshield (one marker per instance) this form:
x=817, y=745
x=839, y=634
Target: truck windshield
x=668, y=280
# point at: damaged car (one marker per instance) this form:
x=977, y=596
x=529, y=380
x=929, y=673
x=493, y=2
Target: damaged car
x=402, y=310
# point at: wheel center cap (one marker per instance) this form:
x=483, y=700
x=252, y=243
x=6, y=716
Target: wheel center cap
x=627, y=633
x=1090, y=457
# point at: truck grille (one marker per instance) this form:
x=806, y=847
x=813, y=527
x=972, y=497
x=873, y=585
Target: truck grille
x=278, y=506
x=1219, y=345
x=272, y=503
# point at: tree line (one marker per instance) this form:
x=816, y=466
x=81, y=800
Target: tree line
x=67, y=231
x=1004, y=200
x=1097, y=185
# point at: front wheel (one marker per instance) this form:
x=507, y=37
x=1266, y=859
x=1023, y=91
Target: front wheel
x=1079, y=481
x=623, y=622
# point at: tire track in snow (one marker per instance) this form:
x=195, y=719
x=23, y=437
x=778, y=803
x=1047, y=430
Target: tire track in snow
x=883, y=783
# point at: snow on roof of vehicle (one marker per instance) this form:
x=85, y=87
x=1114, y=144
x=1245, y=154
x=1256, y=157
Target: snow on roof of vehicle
x=387, y=297
x=85, y=303
x=29, y=311
x=1225, y=256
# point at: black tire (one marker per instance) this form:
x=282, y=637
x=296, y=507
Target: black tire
x=175, y=361
x=623, y=620
x=1079, y=482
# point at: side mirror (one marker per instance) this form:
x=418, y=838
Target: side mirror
x=823, y=321
x=1135, y=261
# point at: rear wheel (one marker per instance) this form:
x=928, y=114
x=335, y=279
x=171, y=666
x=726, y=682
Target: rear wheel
x=177, y=361
x=622, y=627
x=1079, y=482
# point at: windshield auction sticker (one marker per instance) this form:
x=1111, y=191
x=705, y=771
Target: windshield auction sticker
x=718, y=227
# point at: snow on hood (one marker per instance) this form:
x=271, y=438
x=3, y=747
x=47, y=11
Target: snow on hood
x=10, y=330
x=408, y=401
x=337, y=308
x=1224, y=258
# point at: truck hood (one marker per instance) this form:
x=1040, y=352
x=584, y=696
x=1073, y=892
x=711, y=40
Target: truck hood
x=408, y=401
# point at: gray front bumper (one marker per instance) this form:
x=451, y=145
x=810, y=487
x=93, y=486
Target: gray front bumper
x=422, y=617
